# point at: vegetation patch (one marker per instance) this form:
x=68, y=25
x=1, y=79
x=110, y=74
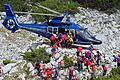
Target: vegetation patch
x=32, y=38
x=68, y=62
x=6, y=61
x=114, y=75
x=37, y=55
x=61, y=6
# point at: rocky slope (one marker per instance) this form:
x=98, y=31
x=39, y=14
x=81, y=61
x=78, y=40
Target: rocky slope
x=105, y=27
x=11, y=44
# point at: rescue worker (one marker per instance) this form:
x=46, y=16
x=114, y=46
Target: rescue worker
x=37, y=66
x=79, y=51
x=87, y=54
x=98, y=57
x=118, y=60
x=63, y=40
x=70, y=73
x=69, y=40
x=56, y=36
x=74, y=77
x=48, y=74
x=104, y=70
x=82, y=62
x=54, y=49
x=68, y=43
x=88, y=63
x=41, y=67
x=91, y=49
x=62, y=64
x=93, y=68
x=59, y=36
x=1, y=71
x=53, y=40
x=59, y=40
x=78, y=63
x=56, y=73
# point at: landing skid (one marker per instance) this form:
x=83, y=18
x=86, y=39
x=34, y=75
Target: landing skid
x=83, y=46
x=80, y=45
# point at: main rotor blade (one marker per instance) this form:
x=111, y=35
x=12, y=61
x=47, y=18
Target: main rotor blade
x=35, y=13
x=48, y=9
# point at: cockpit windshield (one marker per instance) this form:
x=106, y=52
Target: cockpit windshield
x=84, y=33
x=87, y=33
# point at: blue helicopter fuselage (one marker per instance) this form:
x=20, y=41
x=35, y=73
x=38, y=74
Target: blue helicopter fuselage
x=47, y=29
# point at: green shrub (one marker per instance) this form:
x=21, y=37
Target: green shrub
x=57, y=5
x=37, y=55
x=32, y=38
x=17, y=5
x=67, y=62
x=5, y=62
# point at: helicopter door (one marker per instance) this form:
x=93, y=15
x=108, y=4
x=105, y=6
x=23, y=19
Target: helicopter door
x=72, y=31
x=54, y=30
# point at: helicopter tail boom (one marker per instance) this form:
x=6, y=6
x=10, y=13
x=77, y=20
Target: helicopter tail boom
x=10, y=21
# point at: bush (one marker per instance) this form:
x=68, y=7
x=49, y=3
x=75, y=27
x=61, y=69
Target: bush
x=5, y=62
x=57, y=5
x=37, y=55
x=32, y=38
x=17, y=5
x=67, y=62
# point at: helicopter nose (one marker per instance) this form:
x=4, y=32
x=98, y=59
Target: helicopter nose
x=97, y=42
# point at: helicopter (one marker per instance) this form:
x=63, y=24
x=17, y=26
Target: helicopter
x=46, y=29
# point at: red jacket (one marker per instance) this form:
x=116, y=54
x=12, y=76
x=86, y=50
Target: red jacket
x=118, y=60
x=64, y=37
x=87, y=54
x=105, y=68
x=88, y=63
x=93, y=68
x=52, y=38
x=79, y=49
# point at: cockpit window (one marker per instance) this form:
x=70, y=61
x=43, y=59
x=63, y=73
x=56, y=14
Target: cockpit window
x=83, y=33
x=87, y=34
x=55, y=30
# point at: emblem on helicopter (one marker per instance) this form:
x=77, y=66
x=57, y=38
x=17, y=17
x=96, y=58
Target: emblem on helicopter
x=10, y=24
